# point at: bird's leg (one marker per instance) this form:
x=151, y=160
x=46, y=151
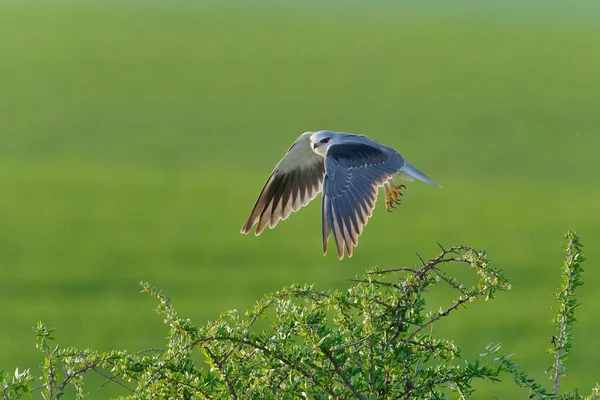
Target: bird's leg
x=393, y=194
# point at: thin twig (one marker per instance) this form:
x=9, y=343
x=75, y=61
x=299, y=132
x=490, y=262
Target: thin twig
x=340, y=373
x=111, y=378
x=445, y=313
x=224, y=374
x=389, y=271
x=345, y=346
x=423, y=263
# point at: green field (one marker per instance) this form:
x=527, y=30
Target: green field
x=135, y=136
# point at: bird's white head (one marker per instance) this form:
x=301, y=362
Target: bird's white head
x=321, y=140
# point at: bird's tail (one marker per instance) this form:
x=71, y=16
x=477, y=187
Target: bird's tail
x=412, y=172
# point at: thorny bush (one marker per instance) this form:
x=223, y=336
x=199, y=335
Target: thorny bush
x=373, y=341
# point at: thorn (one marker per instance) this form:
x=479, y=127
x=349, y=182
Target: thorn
x=441, y=247
x=420, y=258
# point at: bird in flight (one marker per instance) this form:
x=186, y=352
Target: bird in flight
x=349, y=169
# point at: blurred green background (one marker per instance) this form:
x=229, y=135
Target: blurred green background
x=135, y=136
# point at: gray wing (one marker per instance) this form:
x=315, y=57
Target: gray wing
x=353, y=174
x=295, y=181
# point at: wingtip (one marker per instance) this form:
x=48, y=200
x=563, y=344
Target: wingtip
x=245, y=228
x=340, y=256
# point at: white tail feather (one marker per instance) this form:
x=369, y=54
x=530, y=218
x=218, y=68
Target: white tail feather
x=415, y=173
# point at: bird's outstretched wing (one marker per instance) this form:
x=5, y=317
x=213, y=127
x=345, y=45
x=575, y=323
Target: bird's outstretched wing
x=295, y=181
x=354, y=172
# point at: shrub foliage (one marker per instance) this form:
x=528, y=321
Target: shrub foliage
x=373, y=341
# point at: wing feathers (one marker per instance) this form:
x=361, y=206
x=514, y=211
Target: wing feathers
x=337, y=232
x=325, y=221
x=354, y=172
x=296, y=180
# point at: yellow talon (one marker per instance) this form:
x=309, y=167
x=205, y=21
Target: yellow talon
x=393, y=195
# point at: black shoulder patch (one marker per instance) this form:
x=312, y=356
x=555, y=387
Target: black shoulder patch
x=355, y=152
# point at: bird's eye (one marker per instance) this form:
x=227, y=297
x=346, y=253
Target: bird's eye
x=325, y=140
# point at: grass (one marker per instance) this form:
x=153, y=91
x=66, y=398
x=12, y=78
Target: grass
x=134, y=139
